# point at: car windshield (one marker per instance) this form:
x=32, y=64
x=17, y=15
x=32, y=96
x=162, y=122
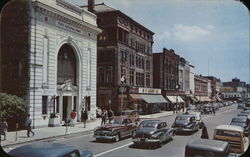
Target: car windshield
x=147, y=125
x=239, y=120
x=181, y=118
x=116, y=121
x=228, y=133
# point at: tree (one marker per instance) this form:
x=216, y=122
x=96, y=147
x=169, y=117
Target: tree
x=13, y=109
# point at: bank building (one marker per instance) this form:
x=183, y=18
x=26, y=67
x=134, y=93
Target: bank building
x=49, y=57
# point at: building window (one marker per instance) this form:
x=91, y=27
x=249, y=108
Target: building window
x=131, y=77
x=101, y=77
x=147, y=79
x=109, y=74
x=44, y=104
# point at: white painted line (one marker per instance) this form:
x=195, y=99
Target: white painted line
x=111, y=150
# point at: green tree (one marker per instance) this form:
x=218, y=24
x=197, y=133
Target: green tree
x=13, y=109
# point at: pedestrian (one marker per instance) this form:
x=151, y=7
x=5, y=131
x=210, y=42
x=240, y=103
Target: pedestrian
x=173, y=108
x=84, y=117
x=104, y=117
x=204, y=133
x=213, y=110
x=110, y=115
x=28, y=126
x=72, y=116
x=4, y=128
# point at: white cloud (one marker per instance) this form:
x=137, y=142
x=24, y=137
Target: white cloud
x=187, y=33
x=164, y=35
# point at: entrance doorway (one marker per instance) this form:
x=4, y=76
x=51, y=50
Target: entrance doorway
x=65, y=107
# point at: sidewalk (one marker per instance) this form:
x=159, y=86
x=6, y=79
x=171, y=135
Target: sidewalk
x=51, y=132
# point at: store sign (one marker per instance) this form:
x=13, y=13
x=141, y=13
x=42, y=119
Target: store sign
x=227, y=89
x=68, y=27
x=149, y=90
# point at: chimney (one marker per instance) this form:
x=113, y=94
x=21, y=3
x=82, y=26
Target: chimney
x=91, y=5
x=164, y=49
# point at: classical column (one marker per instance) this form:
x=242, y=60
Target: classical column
x=61, y=107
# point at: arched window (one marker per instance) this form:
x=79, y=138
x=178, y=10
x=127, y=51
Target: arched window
x=66, y=65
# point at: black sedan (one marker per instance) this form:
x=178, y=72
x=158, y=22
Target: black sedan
x=242, y=122
x=48, y=149
x=152, y=132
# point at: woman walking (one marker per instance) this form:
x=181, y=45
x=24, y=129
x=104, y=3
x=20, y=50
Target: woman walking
x=84, y=117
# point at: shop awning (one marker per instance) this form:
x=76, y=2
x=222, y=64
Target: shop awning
x=174, y=99
x=218, y=98
x=149, y=98
x=194, y=99
x=204, y=98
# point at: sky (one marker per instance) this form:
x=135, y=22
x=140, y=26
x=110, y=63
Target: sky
x=213, y=35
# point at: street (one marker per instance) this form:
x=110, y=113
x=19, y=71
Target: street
x=125, y=148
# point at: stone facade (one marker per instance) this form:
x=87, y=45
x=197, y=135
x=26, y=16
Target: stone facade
x=62, y=37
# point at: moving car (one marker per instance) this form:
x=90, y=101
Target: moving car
x=234, y=135
x=197, y=115
x=132, y=114
x=48, y=149
x=242, y=122
x=185, y=122
x=152, y=132
x=207, y=148
x=118, y=128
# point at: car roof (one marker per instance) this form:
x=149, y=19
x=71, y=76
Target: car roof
x=230, y=128
x=42, y=149
x=121, y=117
x=240, y=117
x=185, y=115
x=207, y=144
x=156, y=121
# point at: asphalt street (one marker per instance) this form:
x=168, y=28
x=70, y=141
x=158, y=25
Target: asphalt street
x=125, y=148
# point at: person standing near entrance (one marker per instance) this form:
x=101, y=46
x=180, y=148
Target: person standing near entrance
x=104, y=117
x=84, y=117
x=28, y=126
x=3, y=129
x=73, y=116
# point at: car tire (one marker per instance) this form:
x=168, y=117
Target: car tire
x=117, y=137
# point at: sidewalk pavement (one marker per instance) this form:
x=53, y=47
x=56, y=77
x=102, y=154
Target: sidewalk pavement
x=51, y=132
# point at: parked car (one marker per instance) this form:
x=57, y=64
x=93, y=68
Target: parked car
x=132, y=114
x=207, y=109
x=152, y=132
x=246, y=112
x=185, y=122
x=207, y=148
x=234, y=135
x=118, y=128
x=244, y=115
x=48, y=149
x=242, y=122
x=240, y=106
x=246, y=106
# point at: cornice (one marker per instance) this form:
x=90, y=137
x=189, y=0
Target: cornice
x=66, y=18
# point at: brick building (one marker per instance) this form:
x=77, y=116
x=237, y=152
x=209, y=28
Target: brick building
x=124, y=61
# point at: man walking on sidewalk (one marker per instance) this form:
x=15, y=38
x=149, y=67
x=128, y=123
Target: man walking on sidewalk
x=28, y=126
x=84, y=117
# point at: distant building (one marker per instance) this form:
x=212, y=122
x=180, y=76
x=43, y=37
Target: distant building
x=235, y=90
x=166, y=75
x=202, y=88
x=216, y=84
x=124, y=61
x=48, y=52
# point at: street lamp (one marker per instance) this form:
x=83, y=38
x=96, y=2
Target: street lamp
x=176, y=87
x=122, y=82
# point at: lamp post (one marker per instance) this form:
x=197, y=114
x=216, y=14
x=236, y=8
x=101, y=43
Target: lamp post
x=122, y=81
x=176, y=87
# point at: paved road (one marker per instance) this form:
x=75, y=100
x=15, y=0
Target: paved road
x=125, y=148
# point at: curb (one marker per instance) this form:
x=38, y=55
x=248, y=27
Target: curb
x=46, y=138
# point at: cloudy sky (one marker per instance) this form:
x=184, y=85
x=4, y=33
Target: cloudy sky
x=213, y=35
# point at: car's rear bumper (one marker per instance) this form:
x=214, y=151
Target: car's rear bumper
x=183, y=129
x=145, y=141
x=104, y=137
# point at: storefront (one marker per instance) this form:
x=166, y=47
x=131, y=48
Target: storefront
x=145, y=100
